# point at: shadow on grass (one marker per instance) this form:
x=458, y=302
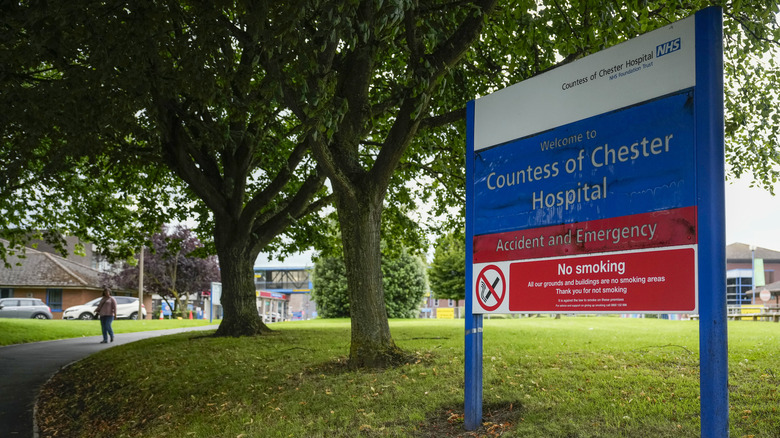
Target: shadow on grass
x=497, y=418
x=341, y=365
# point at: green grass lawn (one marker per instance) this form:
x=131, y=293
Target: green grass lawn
x=20, y=331
x=572, y=377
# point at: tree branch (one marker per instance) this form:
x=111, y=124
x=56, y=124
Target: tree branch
x=444, y=7
x=451, y=50
x=742, y=23
x=444, y=119
x=180, y=162
x=267, y=227
x=276, y=185
x=409, y=116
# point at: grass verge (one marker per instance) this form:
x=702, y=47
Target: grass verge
x=20, y=331
x=573, y=377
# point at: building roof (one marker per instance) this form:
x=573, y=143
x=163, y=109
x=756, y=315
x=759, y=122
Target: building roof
x=741, y=251
x=41, y=269
x=771, y=287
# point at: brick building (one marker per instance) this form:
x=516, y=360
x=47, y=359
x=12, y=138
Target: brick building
x=740, y=260
x=442, y=308
x=57, y=281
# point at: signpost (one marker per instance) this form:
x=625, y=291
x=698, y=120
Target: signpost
x=215, y=298
x=598, y=188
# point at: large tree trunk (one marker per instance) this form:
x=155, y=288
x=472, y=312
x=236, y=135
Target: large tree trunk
x=239, y=302
x=371, y=345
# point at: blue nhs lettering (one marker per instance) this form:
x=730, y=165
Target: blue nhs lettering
x=667, y=47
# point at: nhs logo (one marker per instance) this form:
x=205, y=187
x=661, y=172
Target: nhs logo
x=667, y=47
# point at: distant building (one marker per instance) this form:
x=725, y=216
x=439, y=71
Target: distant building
x=740, y=259
x=284, y=293
x=57, y=281
x=89, y=259
x=442, y=308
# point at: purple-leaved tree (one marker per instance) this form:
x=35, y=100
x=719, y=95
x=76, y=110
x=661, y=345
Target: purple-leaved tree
x=175, y=266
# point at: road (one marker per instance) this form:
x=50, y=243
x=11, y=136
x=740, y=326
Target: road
x=24, y=368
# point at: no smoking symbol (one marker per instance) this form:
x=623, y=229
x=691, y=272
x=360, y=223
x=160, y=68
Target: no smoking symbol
x=491, y=287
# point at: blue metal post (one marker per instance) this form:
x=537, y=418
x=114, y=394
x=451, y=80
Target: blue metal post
x=473, y=341
x=473, y=388
x=713, y=348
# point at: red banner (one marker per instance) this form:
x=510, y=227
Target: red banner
x=665, y=228
x=645, y=281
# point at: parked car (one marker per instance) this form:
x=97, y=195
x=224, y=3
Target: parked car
x=272, y=317
x=24, y=308
x=126, y=307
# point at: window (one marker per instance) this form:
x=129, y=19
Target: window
x=435, y=303
x=6, y=293
x=738, y=283
x=450, y=303
x=54, y=299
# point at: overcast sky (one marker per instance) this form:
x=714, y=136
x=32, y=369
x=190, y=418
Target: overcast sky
x=752, y=215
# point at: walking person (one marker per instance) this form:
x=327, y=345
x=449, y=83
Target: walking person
x=106, y=310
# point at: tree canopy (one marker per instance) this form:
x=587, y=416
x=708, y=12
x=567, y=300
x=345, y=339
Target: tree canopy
x=447, y=275
x=154, y=110
x=116, y=116
x=329, y=288
x=404, y=73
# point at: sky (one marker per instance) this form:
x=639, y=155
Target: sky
x=301, y=260
x=752, y=215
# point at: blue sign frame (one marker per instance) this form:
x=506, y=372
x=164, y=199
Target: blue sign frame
x=708, y=195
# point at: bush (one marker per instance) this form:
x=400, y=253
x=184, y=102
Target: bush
x=403, y=277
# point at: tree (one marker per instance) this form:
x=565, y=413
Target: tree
x=174, y=267
x=447, y=275
x=162, y=109
x=403, y=279
x=372, y=68
x=384, y=73
x=405, y=282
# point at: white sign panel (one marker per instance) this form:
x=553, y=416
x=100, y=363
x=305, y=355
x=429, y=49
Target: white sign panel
x=655, y=64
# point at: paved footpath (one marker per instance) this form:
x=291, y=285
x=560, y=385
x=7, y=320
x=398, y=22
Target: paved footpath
x=24, y=368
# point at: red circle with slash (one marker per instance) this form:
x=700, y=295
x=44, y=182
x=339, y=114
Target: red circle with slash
x=491, y=287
